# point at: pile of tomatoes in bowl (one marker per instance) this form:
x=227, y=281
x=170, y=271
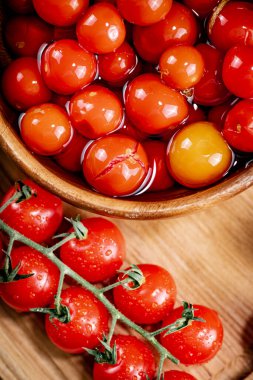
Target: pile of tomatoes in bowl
x=135, y=96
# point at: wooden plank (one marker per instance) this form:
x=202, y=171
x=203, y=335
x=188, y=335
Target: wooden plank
x=210, y=255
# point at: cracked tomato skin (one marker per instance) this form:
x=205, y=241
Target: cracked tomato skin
x=197, y=343
x=152, y=301
x=98, y=257
x=115, y=165
x=146, y=91
x=95, y=111
x=36, y=291
x=87, y=326
x=135, y=360
x=178, y=375
x=38, y=218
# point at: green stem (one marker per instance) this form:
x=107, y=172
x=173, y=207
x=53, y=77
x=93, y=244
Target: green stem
x=58, y=294
x=160, y=368
x=62, y=242
x=8, y=253
x=12, y=199
x=115, y=285
x=115, y=319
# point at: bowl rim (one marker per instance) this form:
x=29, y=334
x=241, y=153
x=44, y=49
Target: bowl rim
x=117, y=207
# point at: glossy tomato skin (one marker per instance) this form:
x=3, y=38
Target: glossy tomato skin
x=95, y=111
x=146, y=91
x=178, y=27
x=135, y=360
x=46, y=129
x=233, y=26
x=181, y=67
x=178, y=375
x=238, y=126
x=88, y=323
x=25, y=35
x=60, y=13
x=210, y=90
x=198, y=156
x=106, y=33
x=237, y=71
x=38, y=218
x=217, y=114
x=144, y=12
x=115, y=165
x=36, y=291
x=195, y=114
x=197, y=343
x=156, y=151
x=201, y=7
x=128, y=129
x=20, y=6
x=74, y=69
x=153, y=301
x=98, y=257
x=22, y=84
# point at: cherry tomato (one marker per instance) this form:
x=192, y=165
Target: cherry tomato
x=95, y=111
x=66, y=67
x=22, y=84
x=116, y=67
x=115, y=165
x=237, y=71
x=135, y=360
x=98, y=257
x=105, y=33
x=156, y=151
x=152, y=301
x=60, y=13
x=217, y=115
x=178, y=375
x=152, y=106
x=178, y=27
x=70, y=157
x=46, y=129
x=38, y=218
x=210, y=90
x=201, y=7
x=198, y=156
x=20, y=6
x=35, y=291
x=181, y=67
x=2, y=255
x=197, y=343
x=233, y=26
x=88, y=324
x=144, y=12
x=238, y=126
x=25, y=34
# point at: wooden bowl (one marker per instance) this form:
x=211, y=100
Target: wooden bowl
x=73, y=189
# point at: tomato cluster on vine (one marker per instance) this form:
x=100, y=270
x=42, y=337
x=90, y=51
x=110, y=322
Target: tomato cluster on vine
x=100, y=82
x=80, y=286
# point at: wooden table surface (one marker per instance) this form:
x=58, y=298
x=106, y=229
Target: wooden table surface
x=210, y=255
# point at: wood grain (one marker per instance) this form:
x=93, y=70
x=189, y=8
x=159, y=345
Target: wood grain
x=210, y=255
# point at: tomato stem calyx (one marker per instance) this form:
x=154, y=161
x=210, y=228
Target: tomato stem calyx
x=63, y=314
x=8, y=274
x=109, y=355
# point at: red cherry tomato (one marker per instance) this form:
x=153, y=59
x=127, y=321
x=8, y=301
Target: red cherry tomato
x=152, y=106
x=115, y=68
x=95, y=111
x=22, y=84
x=197, y=343
x=181, y=67
x=35, y=291
x=201, y=7
x=178, y=27
x=217, y=115
x=156, y=151
x=237, y=71
x=38, y=218
x=20, y=6
x=233, y=26
x=210, y=90
x=178, y=375
x=70, y=157
x=152, y=301
x=66, y=67
x=60, y=13
x=238, y=126
x=135, y=360
x=25, y=35
x=144, y=12
x=46, y=129
x=115, y=165
x=98, y=257
x=105, y=33
x=88, y=324
x=198, y=156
